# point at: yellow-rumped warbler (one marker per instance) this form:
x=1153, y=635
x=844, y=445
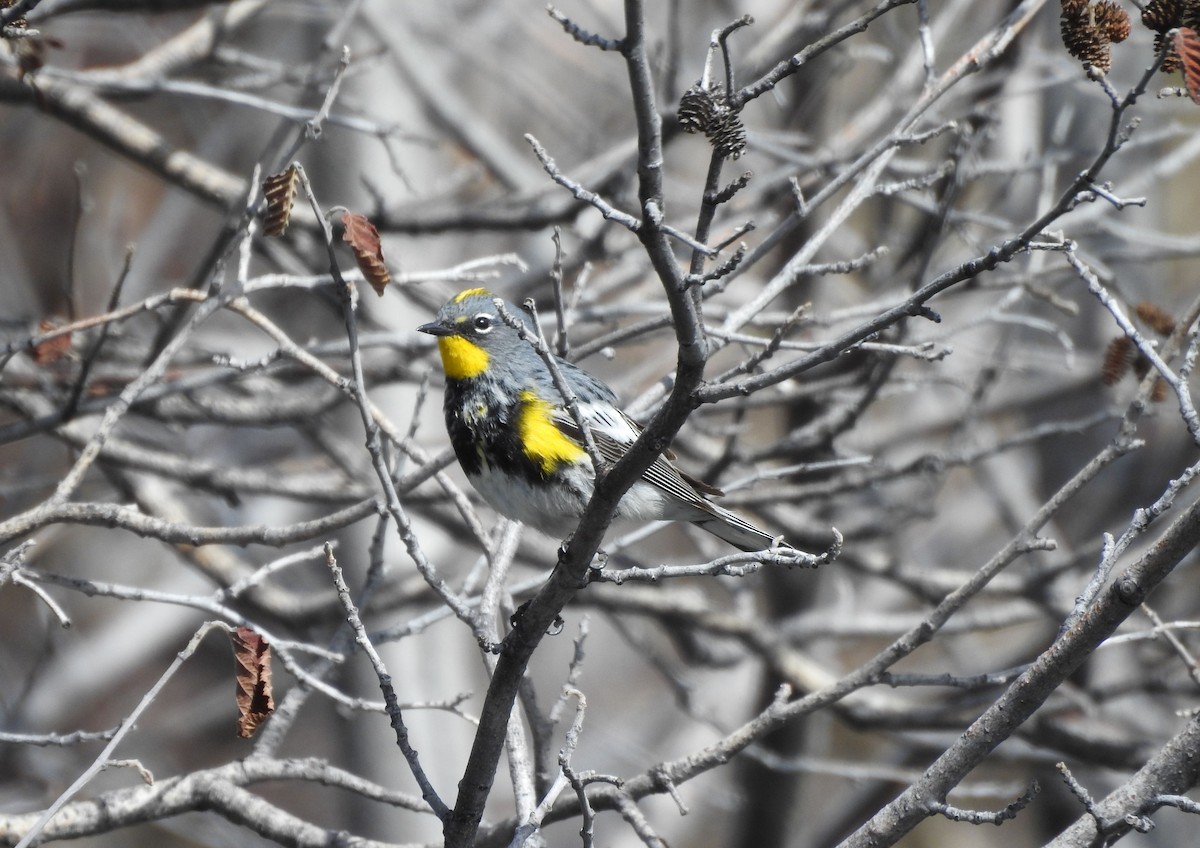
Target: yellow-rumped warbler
x=522, y=449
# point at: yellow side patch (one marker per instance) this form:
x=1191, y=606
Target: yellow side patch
x=541, y=440
x=463, y=295
x=461, y=359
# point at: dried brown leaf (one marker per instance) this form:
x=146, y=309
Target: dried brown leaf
x=363, y=239
x=51, y=350
x=1187, y=45
x=280, y=193
x=252, y=656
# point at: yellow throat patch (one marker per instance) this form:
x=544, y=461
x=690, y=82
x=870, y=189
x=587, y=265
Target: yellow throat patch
x=541, y=440
x=461, y=359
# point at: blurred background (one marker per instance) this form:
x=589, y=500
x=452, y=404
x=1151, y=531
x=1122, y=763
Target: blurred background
x=132, y=136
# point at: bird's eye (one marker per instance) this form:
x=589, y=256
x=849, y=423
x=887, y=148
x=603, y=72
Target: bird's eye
x=483, y=323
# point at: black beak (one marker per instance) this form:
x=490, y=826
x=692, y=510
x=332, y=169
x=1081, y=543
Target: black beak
x=436, y=329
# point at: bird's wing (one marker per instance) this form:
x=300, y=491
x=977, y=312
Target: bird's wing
x=614, y=432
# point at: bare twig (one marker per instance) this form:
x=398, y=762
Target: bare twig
x=35, y=830
x=980, y=817
x=395, y=714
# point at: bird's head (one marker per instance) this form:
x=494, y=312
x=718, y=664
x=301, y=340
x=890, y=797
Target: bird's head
x=472, y=335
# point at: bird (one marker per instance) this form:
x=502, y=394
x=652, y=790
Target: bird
x=522, y=448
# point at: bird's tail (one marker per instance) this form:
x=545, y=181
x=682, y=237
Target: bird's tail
x=735, y=530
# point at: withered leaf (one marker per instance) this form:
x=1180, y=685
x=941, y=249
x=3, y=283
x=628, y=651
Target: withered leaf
x=51, y=350
x=363, y=239
x=252, y=656
x=280, y=193
x=1187, y=45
